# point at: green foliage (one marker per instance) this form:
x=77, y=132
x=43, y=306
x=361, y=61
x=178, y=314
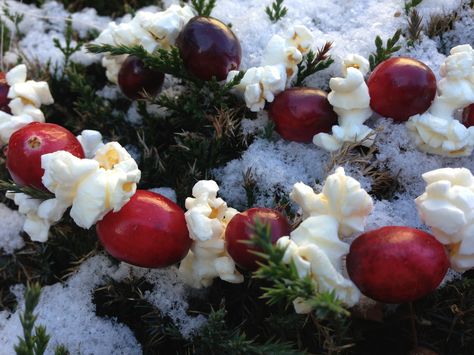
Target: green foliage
x=15, y=18
x=216, y=338
x=32, y=343
x=411, y=4
x=314, y=62
x=203, y=7
x=383, y=53
x=286, y=283
x=31, y=191
x=69, y=49
x=276, y=11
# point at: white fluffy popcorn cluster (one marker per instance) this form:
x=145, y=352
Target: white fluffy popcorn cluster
x=26, y=97
x=279, y=66
x=91, y=187
x=151, y=30
x=315, y=247
x=351, y=101
x=207, y=217
x=446, y=206
x=437, y=131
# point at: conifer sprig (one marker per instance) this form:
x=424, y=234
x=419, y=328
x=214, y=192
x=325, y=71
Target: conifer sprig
x=411, y=4
x=166, y=61
x=383, y=53
x=35, y=340
x=314, y=62
x=69, y=49
x=287, y=285
x=203, y=7
x=30, y=191
x=276, y=11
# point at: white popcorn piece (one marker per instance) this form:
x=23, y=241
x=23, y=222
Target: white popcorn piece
x=351, y=101
x=91, y=187
x=315, y=247
x=26, y=98
x=91, y=141
x=437, y=131
x=260, y=84
x=207, y=217
x=151, y=30
x=279, y=66
x=447, y=207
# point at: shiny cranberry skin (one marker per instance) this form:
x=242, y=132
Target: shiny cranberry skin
x=300, y=113
x=401, y=87
x=468, y=116
x=209, y=48
x=28, y=144
x=134, y=79
x=397, y=264
x=4, y=88
x=240, y=228
x=149, y=231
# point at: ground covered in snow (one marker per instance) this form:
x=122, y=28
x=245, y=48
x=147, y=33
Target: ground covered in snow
x=66, y=309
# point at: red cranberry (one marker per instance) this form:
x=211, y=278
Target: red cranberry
x=28, y=144
x=468, y=116
x=401, y=87
x=300, y=113
x=4, y=88
x=209, y=48
x=241, y=228
x=149, y=231
x=397, y=264
x=135, y=79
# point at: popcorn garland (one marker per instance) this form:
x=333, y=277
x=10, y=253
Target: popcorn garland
x=315, y=246
x=278, y=68
x=351, y=101
x=446, y=207
x=26, y=96
x=151, y=30
x=207, y=218
x=437, y=131
x=92, y=187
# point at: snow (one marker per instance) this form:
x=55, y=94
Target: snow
x=10, y=233
x=67, y=309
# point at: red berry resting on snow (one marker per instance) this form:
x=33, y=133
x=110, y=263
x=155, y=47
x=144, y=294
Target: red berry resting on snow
x=134, y=79
x=209, y=48
x=468, y=116
x=149, y=231
x=401, y=87
x=397, y=264
x=300, y=113
x=241, y=228
x=28, y=144
x=4, y=88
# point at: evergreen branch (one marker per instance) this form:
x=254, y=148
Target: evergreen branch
x=33, y=192
x=68, y=50
x=61, y=350
x=276, y=11
x=414, y=27
x=166, y=61
x=410, y=5
x=314, y=62
x=31, y=344
x=383, y=53
x=216, y=338
x=287, y=285
x=203, y=7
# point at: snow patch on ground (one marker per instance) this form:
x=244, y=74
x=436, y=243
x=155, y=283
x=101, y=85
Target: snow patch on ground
x=10, y=232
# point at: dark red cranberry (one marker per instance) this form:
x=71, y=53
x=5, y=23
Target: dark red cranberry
x=401, y=87
x=468, y=116
x=300, y=113
x=135, y=79
x=209, y=48
x=4, y=88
